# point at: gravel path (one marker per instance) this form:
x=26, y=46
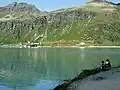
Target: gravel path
x=109, y=80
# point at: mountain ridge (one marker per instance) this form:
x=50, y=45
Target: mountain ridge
x=89, y=24
x=19, y=7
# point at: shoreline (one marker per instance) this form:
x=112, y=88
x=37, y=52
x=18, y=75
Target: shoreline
x=84, y=74
x=81, y=47
x=108, y=80
x=81, y=77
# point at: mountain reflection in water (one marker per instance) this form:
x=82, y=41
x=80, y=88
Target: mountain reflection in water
x=20, y=68
x=44, y=68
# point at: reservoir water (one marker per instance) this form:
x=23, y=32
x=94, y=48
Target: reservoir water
x=45, y=68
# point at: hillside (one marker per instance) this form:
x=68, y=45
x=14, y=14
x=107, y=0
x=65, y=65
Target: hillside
x=95, y=23
x=19, y=7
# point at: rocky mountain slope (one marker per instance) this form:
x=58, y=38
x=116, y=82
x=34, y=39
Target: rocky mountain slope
x=93, y=23
x=19, y=7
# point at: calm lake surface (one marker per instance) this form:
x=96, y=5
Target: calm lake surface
x=45, y=68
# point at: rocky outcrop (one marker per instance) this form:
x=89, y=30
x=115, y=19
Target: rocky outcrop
x=102, y=1
x=19, y=7
x=96, y=0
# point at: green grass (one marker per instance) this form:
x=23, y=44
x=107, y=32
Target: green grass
x=102, y=28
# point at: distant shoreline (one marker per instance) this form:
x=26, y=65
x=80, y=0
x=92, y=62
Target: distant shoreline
x=81, y=47
x=103, y=46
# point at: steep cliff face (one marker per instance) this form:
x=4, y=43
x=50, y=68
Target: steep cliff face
x=12, y=31
x=93, y=24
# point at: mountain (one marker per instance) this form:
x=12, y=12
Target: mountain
x=19, y=7
x=95, y=23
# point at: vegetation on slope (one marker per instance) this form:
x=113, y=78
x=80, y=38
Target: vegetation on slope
x=94, y=25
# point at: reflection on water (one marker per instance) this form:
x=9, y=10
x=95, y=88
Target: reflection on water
x=44, y=68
